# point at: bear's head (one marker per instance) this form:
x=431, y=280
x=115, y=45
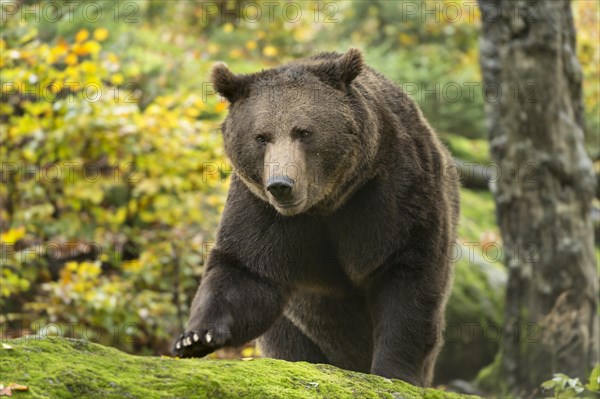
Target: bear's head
x=293, y=132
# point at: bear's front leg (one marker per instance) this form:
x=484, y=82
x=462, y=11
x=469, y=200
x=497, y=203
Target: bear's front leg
x=407, y=307
x=232, y=306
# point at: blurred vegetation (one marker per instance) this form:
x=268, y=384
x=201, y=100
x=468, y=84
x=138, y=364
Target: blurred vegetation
x=564, y=386
x=114, y=175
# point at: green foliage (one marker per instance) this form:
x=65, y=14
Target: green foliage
x=87, y=167
x=587, y=21
x=565, y=387
x=477, y=217
x=444, y=83
x=432, y=54
x=469, y=150
x=490, y=378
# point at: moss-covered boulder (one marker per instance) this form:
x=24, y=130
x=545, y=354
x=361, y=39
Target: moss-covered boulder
x=59, y=368
x=475, y=312
x=473, y=319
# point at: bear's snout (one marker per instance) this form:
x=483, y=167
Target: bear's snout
x=280, y=187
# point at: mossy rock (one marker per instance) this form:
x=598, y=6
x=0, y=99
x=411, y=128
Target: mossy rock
x=474, y=319
x=475, y=311
x=60, y=368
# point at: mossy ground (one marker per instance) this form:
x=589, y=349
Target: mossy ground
x=59, y=368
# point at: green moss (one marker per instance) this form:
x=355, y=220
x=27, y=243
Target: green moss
x=478, y=292
x=60, y=368
x=473, y=318
x=490, y=378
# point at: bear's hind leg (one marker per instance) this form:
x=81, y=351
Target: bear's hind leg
x=285, y=341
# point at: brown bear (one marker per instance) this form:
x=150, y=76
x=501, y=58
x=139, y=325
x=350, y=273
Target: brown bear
x=334, y=245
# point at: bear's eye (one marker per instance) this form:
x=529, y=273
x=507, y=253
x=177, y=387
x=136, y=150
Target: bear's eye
x=261, y=139
x=304, y=134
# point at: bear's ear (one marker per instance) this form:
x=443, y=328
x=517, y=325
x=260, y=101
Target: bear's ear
x=341, y=72
x=350, y=65
x=227, y=84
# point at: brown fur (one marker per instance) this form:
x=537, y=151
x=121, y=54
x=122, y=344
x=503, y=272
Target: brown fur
x=350, y=264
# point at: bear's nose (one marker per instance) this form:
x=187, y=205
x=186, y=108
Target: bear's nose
x=280, y=187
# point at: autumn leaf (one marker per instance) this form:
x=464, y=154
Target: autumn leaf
x=101, y=34
x=220, y=107
x=71, y=59
x=270, y=51
x=13, y=235
x=8, y=390
x=82, y=35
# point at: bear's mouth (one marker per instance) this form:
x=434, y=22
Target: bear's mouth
x=289, y=204
x=290, y=208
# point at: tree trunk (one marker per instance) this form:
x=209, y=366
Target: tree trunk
x=543, y=196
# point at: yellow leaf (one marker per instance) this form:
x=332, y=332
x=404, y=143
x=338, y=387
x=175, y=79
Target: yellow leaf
x=89, y=67
x=132, y=265
x=101, y=34
x=248, y=352
x=17, y=387
x=117, y=78
x=270, y=51
x=82, y=35
x=61, y=46
x=251, y=45
x=29, y=154
x=212, y=48
x=235, y=53
x=406, y=39
x=112, y=57
x=192, y=112
x=92, y=47
x=304, y=34
x=228, y=27
x=13, y=235
x=79, y=49
x=199, y=103
x=220, y=107
x=29, y=35
x=71, y=59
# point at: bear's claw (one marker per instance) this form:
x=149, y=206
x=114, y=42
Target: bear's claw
x=196, y=344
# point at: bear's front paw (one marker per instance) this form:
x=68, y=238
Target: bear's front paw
x=199, y=344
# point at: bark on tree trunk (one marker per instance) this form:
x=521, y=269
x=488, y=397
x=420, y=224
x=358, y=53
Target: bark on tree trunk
x=535, y=119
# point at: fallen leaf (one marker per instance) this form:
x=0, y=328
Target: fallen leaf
x=8, y=390
x=6, y=346
x=5, y=391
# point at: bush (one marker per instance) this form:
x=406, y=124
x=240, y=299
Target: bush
x=108, y=209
